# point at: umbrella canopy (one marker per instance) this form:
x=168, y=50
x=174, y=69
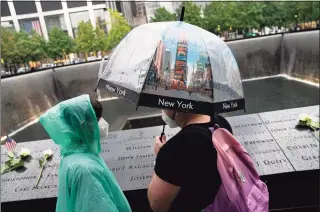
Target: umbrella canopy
x=174, y=65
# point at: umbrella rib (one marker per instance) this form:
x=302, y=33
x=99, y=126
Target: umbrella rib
x=204, y=44
x=145, y=78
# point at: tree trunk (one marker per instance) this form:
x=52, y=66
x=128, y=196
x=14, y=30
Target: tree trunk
x=16, y=68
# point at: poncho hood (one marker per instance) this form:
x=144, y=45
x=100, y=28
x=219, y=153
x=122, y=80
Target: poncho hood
x=72, y=124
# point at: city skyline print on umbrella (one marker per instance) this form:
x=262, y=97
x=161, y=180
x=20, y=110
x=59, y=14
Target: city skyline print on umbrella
x=174, y=65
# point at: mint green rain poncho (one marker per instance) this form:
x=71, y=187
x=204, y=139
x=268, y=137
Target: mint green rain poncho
x=85, y=182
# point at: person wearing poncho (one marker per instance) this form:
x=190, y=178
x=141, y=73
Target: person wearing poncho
x=85, y=182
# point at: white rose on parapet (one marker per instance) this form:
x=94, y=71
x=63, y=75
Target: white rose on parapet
x=47, y=153
x=24, y=152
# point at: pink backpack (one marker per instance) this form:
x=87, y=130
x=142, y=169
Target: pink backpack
x=241, y=189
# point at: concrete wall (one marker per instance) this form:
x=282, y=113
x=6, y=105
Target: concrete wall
x=78, y=79
x=300, y=55
x=257, y=57
x=26, y=96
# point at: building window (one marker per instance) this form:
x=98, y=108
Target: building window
x=72, y=4
x=8, y=25
x=98, y=2
x=50, y=5
x=118, y=7
x=5, y=9
x=76, y=18
x=141, y=9
x=31, y=24
x=25, y=7
x=55, y=21
x=133, y=8
x=100, y=17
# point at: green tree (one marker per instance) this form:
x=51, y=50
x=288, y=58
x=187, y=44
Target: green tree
x=85, y=38
x=305, y=11
x=315, y=13
x=220, y=14
x=8, y=53
x=248, y=15
x=162, y=14
x=16, y=48
x=7, y=45
x=192, y=14
x=119, y=29
x=100, y=40
x=22, y=50
x=38, y=47
x=273, y=14
x=283, y=13
x=59, y=44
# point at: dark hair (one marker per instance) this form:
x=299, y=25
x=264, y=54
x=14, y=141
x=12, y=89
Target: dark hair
x=222, y=122
x=97, y=107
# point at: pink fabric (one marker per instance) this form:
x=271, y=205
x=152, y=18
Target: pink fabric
x=241, y=189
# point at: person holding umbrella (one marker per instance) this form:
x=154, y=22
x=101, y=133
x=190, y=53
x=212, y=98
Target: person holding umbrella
x=186, y=177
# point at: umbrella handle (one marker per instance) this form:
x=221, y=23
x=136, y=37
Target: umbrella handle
x=182, y=13
x=162, y=134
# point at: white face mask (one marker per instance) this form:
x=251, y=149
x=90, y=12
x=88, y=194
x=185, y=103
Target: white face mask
x=103, y=128
x=171, y=123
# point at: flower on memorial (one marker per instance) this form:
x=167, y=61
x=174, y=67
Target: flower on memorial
x=24, y=153
x=47, y=154
x=306, y=120
x=15, y=162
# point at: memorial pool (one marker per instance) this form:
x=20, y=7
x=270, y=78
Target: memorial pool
x=262, y=95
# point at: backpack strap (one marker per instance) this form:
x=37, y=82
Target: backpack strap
x=226, y=140
x=212, y=129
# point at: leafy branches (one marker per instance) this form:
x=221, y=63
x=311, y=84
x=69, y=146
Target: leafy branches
x=162, y=14
x=221, y=16
x=59, y=44
x=120, y=28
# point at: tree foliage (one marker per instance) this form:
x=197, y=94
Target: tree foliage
x=161, y=14
x=305, y=11
x=223, y=16
x=7, y=46
x=219, y=14
x=15, y=47
x=85, y=37
x=192, y=14
x=37, y=46
x=120, y=28
x=59, y=44
x=100, y=40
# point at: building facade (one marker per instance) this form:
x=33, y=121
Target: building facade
x=42, y=16
x=125, y=7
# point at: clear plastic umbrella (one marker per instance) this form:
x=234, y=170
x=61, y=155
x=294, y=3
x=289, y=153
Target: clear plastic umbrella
x=174, y=65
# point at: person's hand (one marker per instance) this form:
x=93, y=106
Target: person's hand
x=159, y=144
